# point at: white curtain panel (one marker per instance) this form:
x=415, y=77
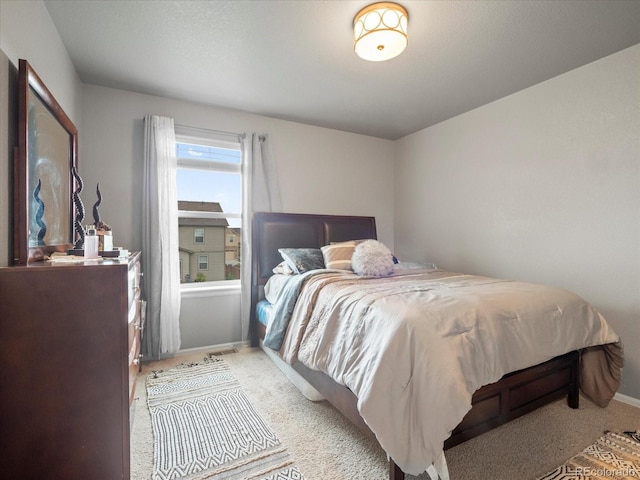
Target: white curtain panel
x=261, y=193
x=160, y=257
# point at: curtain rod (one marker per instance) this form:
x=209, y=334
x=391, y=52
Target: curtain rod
x=208, y=130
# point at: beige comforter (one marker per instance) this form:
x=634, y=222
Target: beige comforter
x=414, y=348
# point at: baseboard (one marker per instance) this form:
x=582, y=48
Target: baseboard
x=627, y=399
x=206, y=349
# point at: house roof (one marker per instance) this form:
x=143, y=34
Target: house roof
x=191, y=206
x=199, y=206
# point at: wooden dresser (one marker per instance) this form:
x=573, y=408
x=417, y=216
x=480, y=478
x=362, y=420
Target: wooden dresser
x=69, y=354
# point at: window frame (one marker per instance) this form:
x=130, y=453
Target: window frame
x=229, y=142
x=206, y=263
x=195, y=234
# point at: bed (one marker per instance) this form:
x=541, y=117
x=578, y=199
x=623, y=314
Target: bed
x=516, y=393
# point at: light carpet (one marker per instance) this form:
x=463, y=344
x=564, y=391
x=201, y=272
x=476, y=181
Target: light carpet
x=204, y=426
x=326, y=446
x=615, y=455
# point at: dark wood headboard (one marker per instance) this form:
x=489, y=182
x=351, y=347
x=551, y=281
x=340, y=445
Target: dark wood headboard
x=270, y=231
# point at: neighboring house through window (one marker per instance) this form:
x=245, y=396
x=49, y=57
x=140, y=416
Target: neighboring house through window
x=209, y=207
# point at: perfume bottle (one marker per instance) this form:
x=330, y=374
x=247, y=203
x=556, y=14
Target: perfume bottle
x=91, y=243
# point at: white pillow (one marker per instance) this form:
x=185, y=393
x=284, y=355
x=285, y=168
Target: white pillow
x=283, y=269
x=372, y=259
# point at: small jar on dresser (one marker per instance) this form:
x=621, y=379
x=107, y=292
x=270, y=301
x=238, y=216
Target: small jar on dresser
x=69, y=353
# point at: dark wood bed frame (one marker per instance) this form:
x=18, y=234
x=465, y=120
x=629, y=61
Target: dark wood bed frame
x=493, y=405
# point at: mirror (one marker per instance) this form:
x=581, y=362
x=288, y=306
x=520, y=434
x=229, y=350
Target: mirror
x=47, y=152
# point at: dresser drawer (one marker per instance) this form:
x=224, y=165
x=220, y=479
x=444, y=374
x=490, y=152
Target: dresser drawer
x=134, y=326
x=134, y=283
x=134, y=347
x=134, y=365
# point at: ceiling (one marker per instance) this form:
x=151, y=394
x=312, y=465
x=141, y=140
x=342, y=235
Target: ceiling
x=294, y=60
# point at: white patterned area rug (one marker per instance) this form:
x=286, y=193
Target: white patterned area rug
x=614, y=456
x=204, y=427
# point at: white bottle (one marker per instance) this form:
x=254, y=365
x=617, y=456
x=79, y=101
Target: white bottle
x=91, y=244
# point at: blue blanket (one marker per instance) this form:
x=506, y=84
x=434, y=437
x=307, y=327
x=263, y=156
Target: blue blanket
x=283, y=309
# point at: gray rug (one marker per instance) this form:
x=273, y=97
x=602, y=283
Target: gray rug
x=616, y=455
x=204, y=426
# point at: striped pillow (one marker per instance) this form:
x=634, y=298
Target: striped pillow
x=338, y=255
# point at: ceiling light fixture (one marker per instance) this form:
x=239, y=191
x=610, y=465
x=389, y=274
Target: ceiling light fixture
x=380, y=31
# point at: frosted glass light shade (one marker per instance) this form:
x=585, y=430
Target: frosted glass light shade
x=380, y=31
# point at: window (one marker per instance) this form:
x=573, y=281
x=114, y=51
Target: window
x=209, y=184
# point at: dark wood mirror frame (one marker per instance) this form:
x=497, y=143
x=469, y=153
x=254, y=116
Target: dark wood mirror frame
x=46, y=155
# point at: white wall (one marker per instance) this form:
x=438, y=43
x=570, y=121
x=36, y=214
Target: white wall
x=542, y=186
x=26, y=31
x=319, y=171
x=210, y=318
x=8, y=141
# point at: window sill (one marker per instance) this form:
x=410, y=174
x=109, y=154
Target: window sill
x=210, y=289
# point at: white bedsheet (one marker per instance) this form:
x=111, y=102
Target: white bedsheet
x=415, y=348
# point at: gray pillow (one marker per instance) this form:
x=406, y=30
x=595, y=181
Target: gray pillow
x=302, y=259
